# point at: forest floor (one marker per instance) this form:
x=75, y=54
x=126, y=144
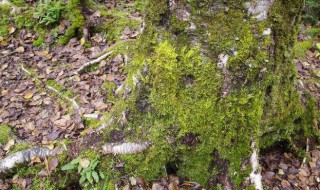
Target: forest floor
x=44, y=101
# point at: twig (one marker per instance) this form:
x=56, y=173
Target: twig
x=25, y=70
x=74, y=103
x=84, y=66
x=103, y=56
x=125, y=148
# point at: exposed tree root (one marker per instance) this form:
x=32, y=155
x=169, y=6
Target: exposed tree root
x=255, y=175
x=125, y=148
x=23, y=156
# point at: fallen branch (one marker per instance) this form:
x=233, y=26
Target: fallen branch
x=255, y=175
x=102, y=57
x=125, y=148
x=73, y=102
x=84, y=66
x=23, y=156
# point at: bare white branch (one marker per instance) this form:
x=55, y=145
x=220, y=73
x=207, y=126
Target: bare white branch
x=23, y=156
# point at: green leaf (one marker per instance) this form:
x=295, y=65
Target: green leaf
x=102, y=175
x=89, y=177
x=95, y=176
x=318, y=46
x=79, y=169
x=68, y=167
x=82, y=179
x=71, y=165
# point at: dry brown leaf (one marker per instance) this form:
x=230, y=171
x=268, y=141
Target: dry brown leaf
x=9, y=144
x=30, y=126
x=11, y=29
x=4, y=92
x=19, y=49
x=84, y=162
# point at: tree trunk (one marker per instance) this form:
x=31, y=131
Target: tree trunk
x=208, y=80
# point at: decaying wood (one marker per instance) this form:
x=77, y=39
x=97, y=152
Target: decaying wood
x=23, y=156
x=125, y=148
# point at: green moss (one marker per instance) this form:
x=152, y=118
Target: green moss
x=180, y=94
x=5, y=131
x=301, y=47
x=4, y=20
x=20, y=146
x=115, y=27
x=18, y=3
x=60, y=88
x=38, y=42
x=72, y=12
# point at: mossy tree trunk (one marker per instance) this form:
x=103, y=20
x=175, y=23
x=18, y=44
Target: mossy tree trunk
x=207, y=79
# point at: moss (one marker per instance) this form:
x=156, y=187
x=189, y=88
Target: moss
x=18, y=3
x=4, y=20
x=116, y=26
x=60, y=88
x=179, y=96
x=5, y=131
x=20, y=146
x=300, y=49
x=72, y=12
x=38, y=42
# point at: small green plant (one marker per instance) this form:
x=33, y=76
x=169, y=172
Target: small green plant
x=311, y=11
x=38, y=42
x=86, y=169
x=48, y=12
x=318, y=50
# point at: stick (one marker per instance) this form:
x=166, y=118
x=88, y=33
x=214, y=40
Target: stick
x=74, y=103
x=82, y=68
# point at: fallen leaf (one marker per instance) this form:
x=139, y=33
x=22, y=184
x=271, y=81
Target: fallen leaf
x=84, y=162
x=28, y=95
x=82, y=41
x=19, y=49
x=4, y=92
x=9, y=144
x=97, y=14
x=53, y=163
x=11, y=29
x=30, y=126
